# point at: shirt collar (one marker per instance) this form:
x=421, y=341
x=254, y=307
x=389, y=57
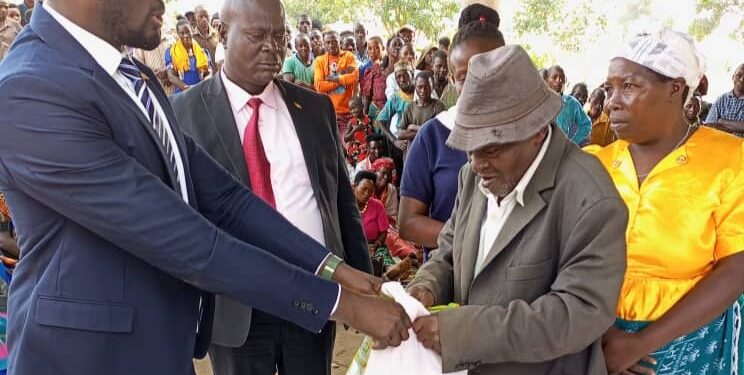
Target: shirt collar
x=528, y=174
x=210, y=32
x=239, y=97
x=106, y=55
x=447, y=118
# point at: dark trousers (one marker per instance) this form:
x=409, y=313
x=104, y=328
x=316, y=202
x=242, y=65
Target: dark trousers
x=275, y=345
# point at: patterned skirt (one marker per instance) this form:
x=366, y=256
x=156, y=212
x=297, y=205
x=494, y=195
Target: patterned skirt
x=714, y=349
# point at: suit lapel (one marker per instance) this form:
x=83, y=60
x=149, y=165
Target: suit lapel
x=471, y=241
x=220, y=113
x=307, y=134
x=521, y=216
x=122, y=97
x=518, y=219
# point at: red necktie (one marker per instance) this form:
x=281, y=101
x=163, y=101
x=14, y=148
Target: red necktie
x=259, y=169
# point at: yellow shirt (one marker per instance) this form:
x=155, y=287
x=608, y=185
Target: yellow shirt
x=687, y=215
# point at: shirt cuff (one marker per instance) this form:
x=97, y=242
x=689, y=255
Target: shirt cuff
x=322, y=262
x=338, y=299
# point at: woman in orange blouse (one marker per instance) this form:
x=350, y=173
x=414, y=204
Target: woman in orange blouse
x=680, y=305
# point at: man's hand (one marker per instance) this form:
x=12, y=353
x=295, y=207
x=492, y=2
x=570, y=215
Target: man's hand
x=356, y=280
x=332, y=78
x=162, y=74
x=401, y=145
x=383, y=320
x=427, y=331
x=9, y=245
x=625, y=353
x=423, y=294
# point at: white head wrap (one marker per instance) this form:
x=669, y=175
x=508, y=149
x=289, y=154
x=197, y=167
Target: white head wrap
x=668, y=52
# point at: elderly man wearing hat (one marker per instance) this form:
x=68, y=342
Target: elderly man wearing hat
x=680, y=308
x=534, y=251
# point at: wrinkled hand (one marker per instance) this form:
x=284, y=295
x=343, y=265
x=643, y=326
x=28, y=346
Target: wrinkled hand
x=422, y=294
x=427, y=331
x=357, y=281
x=625, y=353
x=383, y=320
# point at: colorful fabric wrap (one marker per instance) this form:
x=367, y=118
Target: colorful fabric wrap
x=714, y=349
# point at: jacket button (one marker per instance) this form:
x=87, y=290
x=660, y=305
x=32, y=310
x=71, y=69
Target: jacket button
x=316, y=312
x=303, y=306
x=296, y=304
x=310, y=306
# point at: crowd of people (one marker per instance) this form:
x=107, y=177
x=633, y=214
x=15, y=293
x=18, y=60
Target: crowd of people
x=600, y=231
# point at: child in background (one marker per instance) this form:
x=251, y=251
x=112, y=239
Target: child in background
x=357, y=130
x=423, y=110
x=299, y=68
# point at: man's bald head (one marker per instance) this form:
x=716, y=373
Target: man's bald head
x=256, y=42
x=231, y=7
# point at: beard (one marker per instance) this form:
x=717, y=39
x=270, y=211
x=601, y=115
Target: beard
x=145, y=35
x=501, y=187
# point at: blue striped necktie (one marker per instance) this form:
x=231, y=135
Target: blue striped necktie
x=130, y=70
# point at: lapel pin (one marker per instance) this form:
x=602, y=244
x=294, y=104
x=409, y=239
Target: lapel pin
x=297, y=105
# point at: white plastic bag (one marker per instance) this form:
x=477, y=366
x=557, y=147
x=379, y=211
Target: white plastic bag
x=410, y=358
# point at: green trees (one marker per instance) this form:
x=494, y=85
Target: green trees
x=426, y=15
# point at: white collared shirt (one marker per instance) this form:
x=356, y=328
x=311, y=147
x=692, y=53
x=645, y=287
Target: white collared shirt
x=109, y=58
x=498, y=212
x=290, y=179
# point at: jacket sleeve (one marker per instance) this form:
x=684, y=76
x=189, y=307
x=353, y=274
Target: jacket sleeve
x=224, y=201
x=321, y=85
x=576, y=312
x=59, y=150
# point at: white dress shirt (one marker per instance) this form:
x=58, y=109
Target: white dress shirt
x=498, y=212
x=290, y=179
x=109, y=58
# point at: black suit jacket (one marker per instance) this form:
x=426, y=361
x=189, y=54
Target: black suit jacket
x=204, y=112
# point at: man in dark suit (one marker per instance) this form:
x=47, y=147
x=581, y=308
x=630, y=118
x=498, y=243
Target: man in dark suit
x=126, y=227
x=306, y=182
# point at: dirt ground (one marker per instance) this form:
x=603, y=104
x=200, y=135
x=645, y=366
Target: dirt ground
x=347, y=343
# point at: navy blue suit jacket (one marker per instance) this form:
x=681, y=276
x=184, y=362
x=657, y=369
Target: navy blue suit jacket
x=114, y=263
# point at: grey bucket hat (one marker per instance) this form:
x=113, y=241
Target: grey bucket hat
x=504, y=99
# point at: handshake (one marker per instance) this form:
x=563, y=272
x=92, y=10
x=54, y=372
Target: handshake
x=362, y=307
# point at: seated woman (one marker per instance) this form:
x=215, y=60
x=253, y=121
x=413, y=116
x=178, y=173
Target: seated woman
x=385, y=190
x=374, y=220
x=187, y=61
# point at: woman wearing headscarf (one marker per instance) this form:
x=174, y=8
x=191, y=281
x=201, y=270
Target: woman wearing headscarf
x=680, y=305
x=385, y=190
